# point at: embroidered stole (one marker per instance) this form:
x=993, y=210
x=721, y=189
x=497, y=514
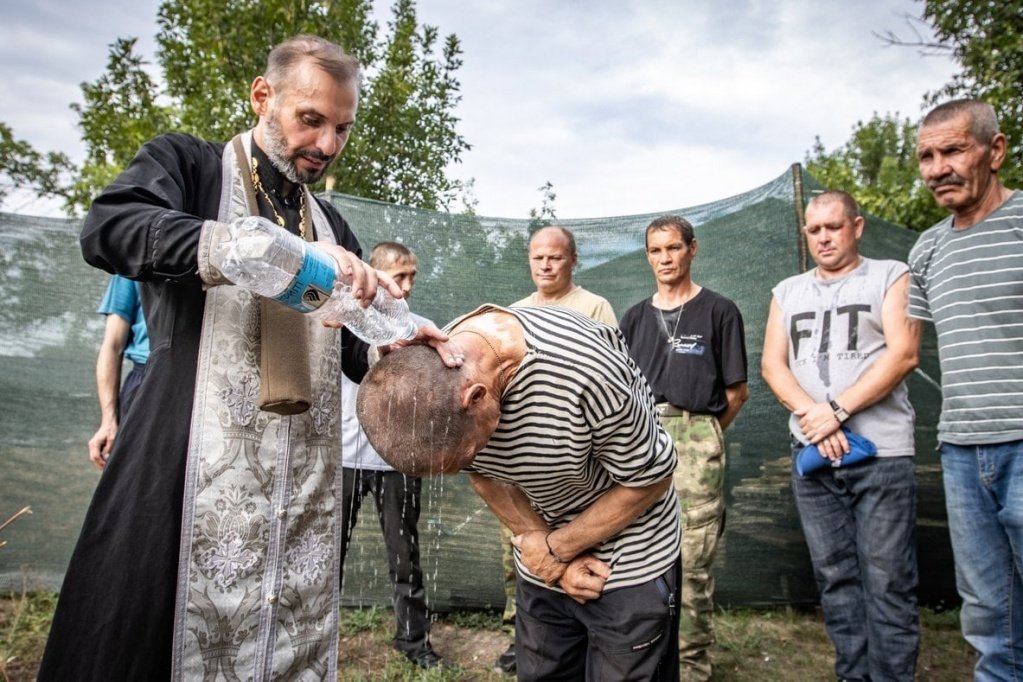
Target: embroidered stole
x=257, y=594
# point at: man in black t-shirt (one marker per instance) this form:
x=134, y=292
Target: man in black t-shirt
x=689, y=342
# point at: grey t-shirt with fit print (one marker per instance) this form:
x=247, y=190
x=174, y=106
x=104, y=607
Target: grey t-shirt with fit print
x=835, y=333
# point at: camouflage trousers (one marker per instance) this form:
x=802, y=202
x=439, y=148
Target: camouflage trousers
x=699, y=482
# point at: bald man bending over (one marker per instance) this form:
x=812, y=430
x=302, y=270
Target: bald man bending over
x=558, y=431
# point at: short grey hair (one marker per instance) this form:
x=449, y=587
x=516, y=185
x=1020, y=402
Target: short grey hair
x=333, y=60
x=983, y=120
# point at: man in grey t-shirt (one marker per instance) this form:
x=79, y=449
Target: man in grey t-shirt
x=838, y=345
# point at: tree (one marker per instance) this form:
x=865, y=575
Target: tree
x=878, y=166
x=407, y=136
x=119, y=114
x=23, y=167
x=545, y=215
x=986, y=39
x=210, y=50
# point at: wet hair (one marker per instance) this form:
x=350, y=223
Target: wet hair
x=849, y=205
x=671, y=222
x=409, y=405
x=983, y=121
x=385, y=253
x=567, y=233
x=281, y=61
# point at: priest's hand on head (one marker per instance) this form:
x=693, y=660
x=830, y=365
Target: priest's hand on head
x=428, y=335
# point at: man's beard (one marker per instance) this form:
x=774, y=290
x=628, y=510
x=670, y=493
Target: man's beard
x=277, y=151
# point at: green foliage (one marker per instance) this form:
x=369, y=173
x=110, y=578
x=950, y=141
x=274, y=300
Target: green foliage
x=545, y=215
x=354, y=621
x=24, y=625
x=23, y=167
x=986, y=38
x=119, y=114
x=210, y=51
x=878, y=166
x=406, y=136
x=475, y=620
x=762, y=645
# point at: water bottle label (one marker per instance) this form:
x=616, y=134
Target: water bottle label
x=313, y=283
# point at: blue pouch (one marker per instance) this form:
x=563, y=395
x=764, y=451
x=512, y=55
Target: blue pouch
x=810, y=459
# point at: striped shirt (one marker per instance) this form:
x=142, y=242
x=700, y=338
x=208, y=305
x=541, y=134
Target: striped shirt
x=970, y=284
x=576, y=419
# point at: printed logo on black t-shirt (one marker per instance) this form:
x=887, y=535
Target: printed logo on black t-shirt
x=688, y=344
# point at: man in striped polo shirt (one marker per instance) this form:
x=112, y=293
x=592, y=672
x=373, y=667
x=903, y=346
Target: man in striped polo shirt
x=552, y=258
x=558, y=430
x=966, y=279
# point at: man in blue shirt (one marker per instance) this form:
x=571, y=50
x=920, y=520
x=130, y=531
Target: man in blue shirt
x=125, y=336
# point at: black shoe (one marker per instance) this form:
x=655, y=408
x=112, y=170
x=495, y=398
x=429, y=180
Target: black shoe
x=428, y=659
x=506, y=661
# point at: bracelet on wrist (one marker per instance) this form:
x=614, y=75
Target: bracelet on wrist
x=550, y=550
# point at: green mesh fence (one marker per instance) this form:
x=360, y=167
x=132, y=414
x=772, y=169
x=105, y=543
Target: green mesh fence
x=49, y=335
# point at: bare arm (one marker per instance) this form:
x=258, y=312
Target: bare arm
x=509, y=504
x=611, y=513
x=774, y=364
x=606, y=517
x=736, y=395
x=512, y=508
x=108, y=384
x=899, y=358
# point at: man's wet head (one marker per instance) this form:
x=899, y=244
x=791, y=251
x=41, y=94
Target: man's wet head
x=422, y=417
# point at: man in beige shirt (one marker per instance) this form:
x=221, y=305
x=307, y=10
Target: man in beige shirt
x=552, y=257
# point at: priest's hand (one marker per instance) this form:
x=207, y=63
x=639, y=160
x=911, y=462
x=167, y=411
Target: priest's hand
x=429, y=335
x=363, y=278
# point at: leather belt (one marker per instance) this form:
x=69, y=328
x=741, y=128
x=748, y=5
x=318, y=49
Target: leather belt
x=669, y=410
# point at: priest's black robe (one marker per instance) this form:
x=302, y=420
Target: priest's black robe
x=114, y=618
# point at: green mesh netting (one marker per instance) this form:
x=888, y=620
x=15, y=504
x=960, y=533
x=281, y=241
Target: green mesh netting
x=49, y=335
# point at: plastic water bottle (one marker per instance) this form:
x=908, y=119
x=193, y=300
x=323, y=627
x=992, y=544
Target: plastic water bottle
x=277, y=264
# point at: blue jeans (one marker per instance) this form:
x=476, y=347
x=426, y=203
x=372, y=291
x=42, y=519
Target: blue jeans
x=984, y=497
x=860, y=526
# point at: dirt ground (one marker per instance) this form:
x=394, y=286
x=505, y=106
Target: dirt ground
x=782, y=645
x=369, y=656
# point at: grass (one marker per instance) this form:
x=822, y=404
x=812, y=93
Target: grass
x=778, y=645
x=24, y=624
x=354, y=621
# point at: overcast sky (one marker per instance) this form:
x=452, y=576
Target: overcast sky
x=626, y=107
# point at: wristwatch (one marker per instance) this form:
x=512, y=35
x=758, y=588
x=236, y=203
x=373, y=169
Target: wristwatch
x=840, y=414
